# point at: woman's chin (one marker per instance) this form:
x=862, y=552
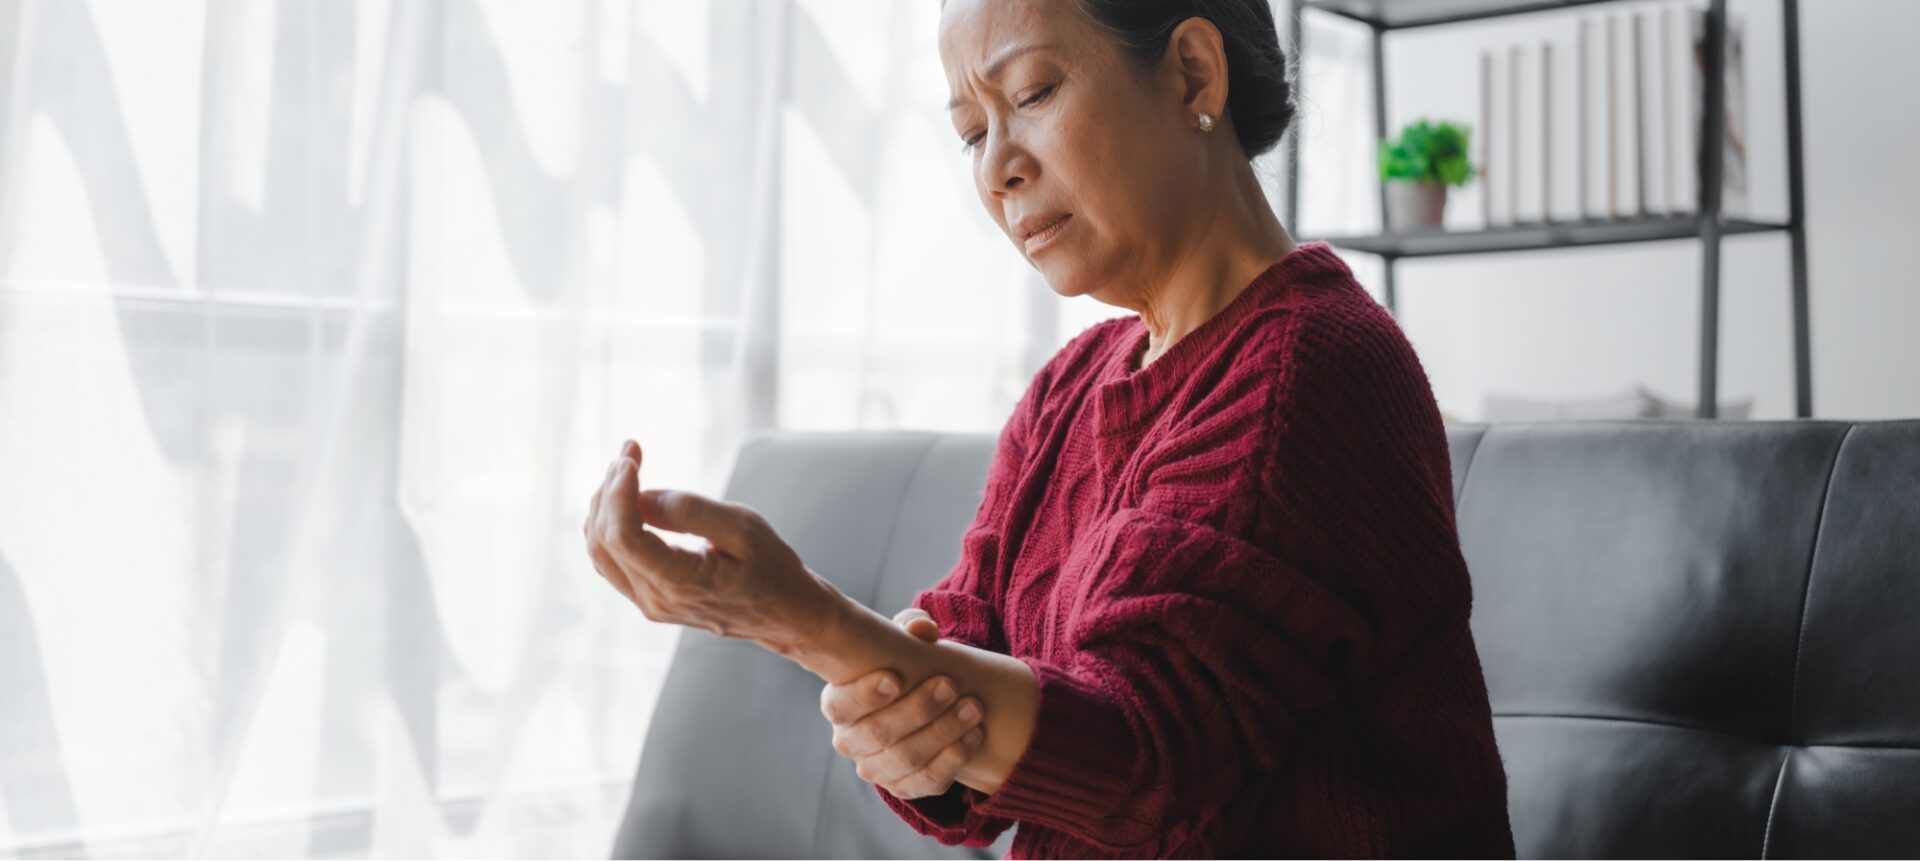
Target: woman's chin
x=1063, y=278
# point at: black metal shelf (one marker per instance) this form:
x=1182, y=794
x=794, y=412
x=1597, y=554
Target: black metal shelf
x=1708, y=226
x=1402, y=14
x=1532, y=237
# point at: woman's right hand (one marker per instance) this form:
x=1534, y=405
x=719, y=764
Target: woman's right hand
x=912, y=745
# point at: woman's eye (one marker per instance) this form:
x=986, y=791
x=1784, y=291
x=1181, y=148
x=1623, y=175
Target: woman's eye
x=968, y=145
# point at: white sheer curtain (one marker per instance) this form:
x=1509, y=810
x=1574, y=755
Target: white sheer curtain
x=318, y=322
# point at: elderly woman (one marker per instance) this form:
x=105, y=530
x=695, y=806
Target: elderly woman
x=1213, y=600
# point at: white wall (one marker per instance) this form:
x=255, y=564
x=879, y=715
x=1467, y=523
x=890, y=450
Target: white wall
x=1592, y=322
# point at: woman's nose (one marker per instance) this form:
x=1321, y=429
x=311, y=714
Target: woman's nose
x=1007, y=166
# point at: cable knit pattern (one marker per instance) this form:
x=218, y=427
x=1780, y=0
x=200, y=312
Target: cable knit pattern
x=1236, y=576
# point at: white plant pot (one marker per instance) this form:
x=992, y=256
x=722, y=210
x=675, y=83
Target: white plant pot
x=1415, y=205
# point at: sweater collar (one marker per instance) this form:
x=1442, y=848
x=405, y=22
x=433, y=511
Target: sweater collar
x=1126, y=398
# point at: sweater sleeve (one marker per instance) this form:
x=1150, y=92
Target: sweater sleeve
x=963, y=603
x=1195, y=651
x=1190, y=668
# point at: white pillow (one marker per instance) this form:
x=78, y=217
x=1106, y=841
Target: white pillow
x=1635, y=403
x=1632, y=404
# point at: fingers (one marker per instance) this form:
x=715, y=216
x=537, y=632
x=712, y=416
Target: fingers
x=609, y=570
x=723, y=524
x=918, y=623
x=914, y=745
x=593, y=505
x=620, y=526
x=893, y=722
x=602, y=562
x=939, y=774
x=844, y=704
x=627, y=449
x=901, y=764
x=616, y=533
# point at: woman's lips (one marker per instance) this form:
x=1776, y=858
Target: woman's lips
x=1045, y=236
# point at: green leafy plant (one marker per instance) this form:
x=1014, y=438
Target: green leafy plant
x=1428, y=152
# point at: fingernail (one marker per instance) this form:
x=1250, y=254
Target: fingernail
x=943, y=692
x=968, y=712
x=887, y=688
x=973, y=737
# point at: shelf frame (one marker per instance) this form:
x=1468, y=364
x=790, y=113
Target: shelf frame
x=1709, y=225
x=1537, y=236
x=1381, y=14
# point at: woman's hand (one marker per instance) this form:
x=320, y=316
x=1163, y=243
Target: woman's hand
x=746, y=583
x=914, y=745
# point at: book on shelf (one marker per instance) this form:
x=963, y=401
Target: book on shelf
x=1519, y=139
x=1638, y=80
x=1624, y=202
x=1599, y=108
x=1682, y=178
x=1640, y=104
x=1645, y=88
x=1484, y=137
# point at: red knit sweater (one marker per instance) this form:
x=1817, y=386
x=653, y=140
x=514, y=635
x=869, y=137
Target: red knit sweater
x=1236, y=576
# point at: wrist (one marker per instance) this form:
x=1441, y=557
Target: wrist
x=809, y=623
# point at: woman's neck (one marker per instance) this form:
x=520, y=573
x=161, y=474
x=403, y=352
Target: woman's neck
x=1240, y=240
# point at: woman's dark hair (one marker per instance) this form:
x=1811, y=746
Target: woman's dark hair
x=1259, y=96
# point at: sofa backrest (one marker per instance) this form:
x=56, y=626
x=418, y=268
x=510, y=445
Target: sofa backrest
x=1699, y=638
x=737, y=761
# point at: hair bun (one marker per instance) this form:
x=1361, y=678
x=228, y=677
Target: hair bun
x=1259, y=91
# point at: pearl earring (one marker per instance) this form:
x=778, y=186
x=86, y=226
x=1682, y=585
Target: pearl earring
x=1206, y=122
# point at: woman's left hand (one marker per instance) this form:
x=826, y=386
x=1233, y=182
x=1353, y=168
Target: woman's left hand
x=746, y=583
x=915, y=744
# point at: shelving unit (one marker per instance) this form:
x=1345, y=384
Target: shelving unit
x=1708, y=225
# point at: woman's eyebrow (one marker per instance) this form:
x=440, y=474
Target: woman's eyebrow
x=997, y=63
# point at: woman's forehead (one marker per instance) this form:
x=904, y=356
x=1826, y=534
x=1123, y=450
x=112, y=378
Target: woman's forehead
x=974, y=34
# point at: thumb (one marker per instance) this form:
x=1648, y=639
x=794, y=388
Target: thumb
x=918, y=623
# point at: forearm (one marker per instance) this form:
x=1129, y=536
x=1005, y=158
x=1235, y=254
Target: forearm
x=847, y=640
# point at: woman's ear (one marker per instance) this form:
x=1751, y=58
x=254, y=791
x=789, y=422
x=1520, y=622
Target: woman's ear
x=1199, y=57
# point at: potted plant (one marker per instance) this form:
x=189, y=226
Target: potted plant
x=1417, y=168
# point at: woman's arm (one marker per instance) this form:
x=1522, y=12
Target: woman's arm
x=849, y=640
x=749, y=584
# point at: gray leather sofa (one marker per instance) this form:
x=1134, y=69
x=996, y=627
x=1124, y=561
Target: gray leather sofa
x=1700, y=639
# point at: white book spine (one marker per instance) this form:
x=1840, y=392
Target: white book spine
x=1485, y=136
x=1643, y=140
x=1627, y=139
x=1663, y=91
x=1514, y=126
x=1680, y=110
x=1546, y=131
x=1583, y=134
x=1613, y=117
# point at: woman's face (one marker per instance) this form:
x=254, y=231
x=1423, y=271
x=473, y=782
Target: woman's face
x=1065, y=130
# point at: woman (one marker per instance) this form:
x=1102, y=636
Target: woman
x=1213, y=600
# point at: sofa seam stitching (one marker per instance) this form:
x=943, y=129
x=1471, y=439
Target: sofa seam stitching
x=1473, y=455
x=1800, y=637
x=886, y=552
x=1690, y=727
x=1806, y=588
x=893, y=524
x=1779, y=780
